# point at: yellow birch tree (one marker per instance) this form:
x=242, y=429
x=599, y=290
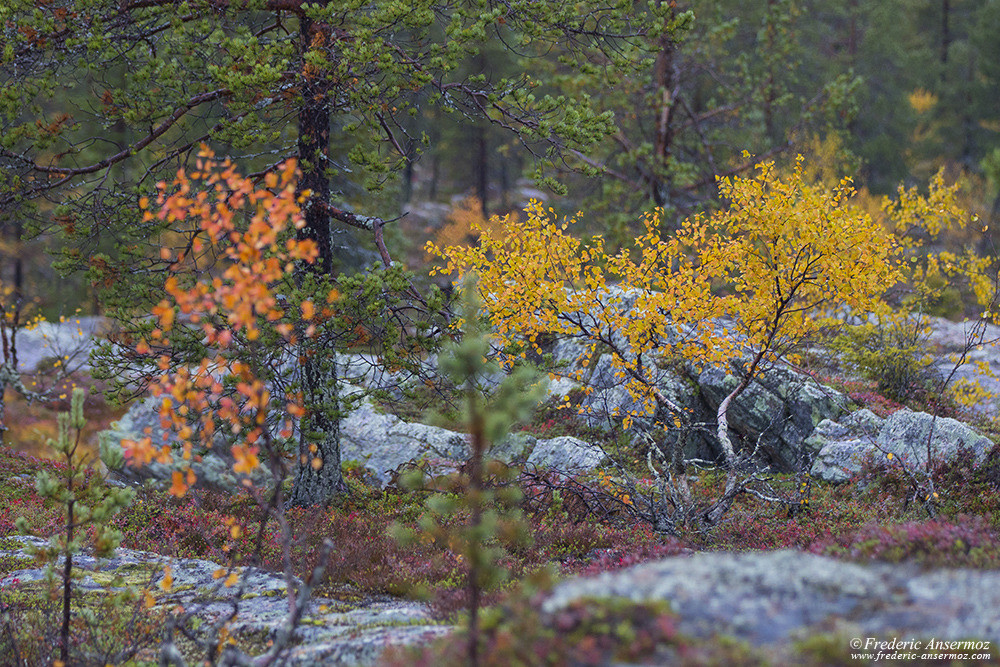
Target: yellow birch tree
x=741, y=287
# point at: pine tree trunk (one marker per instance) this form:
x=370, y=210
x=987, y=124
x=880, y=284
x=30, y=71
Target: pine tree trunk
x=318, y=477
x=663, y=78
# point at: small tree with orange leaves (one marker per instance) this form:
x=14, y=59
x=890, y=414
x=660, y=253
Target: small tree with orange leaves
x=243, y=347
x=243, y=316
x=740, y=288
x=237, y=316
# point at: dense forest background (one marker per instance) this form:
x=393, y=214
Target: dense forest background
x=640, y=109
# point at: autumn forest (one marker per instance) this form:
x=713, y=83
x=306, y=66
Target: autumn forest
x=372, y=331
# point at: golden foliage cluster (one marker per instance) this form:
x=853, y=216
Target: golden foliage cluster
x=465, y=222
x=755, y=277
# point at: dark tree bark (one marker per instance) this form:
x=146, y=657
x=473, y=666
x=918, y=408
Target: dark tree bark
x=663, y=78
x=945, y=31
x=482, y=170
x=318, y=476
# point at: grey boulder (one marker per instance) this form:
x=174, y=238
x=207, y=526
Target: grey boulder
x=383, y=442
x=904, y=438
x=774, y=598
x=213, y=466
x=780, y=409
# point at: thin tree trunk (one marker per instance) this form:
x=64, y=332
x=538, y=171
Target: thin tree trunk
x=769, y=86
x=68, y=565
x=715, y=514
x=945, y=33
x=475, y=490
x=852, y=33
x=663, y=78
x=482, y=170
x=408, y=181
x=18, y=294
x=504, y=185
x=482, y=152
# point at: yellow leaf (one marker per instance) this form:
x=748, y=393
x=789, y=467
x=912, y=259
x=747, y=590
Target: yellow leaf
x=168, y=581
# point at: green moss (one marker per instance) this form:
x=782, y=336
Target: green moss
x=317, y=622
x=11, y=544
x=131, y=577
x=10, y=564
x=274, y=593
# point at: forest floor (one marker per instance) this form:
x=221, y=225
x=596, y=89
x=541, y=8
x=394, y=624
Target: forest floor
x=874, y=517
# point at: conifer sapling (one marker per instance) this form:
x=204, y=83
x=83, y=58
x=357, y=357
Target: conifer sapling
x=87, y=505
x=487, y=415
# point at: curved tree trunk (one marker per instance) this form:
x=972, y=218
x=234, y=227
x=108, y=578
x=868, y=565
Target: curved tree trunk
x=733, y=487
x=722, y=505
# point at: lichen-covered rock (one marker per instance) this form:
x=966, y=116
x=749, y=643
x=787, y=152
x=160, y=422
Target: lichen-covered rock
x=332, y=632
x=776, y=597
x=908, y=434
x=382, y=443
x=838, y=462
x=69, y=341
x=610, y=398
x=566, y=454
x=858, y=425
x=213, y=467
x=901, y=439
x=780, y=409
x=840, y=447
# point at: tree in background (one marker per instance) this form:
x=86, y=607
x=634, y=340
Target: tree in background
x=779, y=77
x=727, y=77
x=905, y=47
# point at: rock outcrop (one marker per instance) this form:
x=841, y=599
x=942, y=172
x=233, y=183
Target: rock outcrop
x=769, y=600
x=776, y=597
x=779, y=410
x=383, y=442
x=213, y=468
x=792, y=421
x=69, y=341
x=380, y=442
x=840, y=447
x=332, y=632
x=904, y=438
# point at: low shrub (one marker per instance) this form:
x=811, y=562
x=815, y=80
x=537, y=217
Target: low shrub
x=892, y=353
x=587, y=632
x=967, y=542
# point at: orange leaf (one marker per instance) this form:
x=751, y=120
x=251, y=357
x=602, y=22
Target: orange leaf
x=178, y=488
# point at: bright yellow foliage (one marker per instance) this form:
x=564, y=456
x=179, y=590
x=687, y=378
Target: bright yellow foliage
x=751, y=280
